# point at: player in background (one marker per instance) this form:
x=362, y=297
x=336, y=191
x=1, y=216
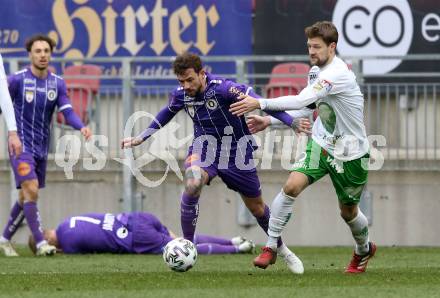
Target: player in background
x=14, y=144
x=35, y=92
x=222, y=144
x=339, y=145
x=132, y=233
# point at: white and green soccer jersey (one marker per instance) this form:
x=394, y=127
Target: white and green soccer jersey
x=339, y=129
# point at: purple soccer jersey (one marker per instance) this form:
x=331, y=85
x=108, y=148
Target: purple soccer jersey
x=108, y=233
x=222, y=142
x=35, y=100
x=210, y=113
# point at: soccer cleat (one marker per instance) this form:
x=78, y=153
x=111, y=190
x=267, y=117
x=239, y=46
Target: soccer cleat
x=46, y=250
x=294, y=263
x=237, y=240
x=359, y=263
x=266, y=258
x=246, y=246
x=7, y=249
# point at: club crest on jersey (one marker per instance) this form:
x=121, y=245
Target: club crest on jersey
x=29, y=95
x=51, y=95
x=212, y=104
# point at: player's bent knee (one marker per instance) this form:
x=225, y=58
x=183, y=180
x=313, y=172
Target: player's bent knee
x=348, y=213
x=296, y=183
x=30, y=191
x=193, y=188
x=292, y=190
x=194, y=181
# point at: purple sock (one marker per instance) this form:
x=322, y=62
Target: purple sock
x=33, y=219
x=213, y=248
x=189, y=211
x=15, y=219
x=263, y=222
x=199, y=239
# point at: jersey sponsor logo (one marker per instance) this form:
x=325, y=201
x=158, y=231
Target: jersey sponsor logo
x=29, y=96
x=212, y=104
x=122, y=233
x=28, y=81
x=235, y=91
x=23, y=169
x=51, y=95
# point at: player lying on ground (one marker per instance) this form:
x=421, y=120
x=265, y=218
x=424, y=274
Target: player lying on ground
x=136, y=233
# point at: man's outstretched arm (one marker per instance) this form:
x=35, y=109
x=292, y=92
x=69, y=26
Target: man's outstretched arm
x=162, y=118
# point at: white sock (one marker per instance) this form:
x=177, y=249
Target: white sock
x=3, y=239
x=359, y=229
x=280, y=212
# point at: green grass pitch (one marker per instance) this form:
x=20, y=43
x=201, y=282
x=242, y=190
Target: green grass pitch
x=394, y=272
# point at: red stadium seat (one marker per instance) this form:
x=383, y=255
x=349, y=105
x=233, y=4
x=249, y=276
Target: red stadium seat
x=82, y=83
x=287, y=79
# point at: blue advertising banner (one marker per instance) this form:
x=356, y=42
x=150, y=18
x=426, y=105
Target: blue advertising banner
x=134, y=28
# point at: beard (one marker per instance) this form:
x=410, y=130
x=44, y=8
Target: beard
x=318, y=62
x=194, y=92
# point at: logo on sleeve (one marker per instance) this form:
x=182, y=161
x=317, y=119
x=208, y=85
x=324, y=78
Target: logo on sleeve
x=235, y=91
x=51, y=95
x=322, y=86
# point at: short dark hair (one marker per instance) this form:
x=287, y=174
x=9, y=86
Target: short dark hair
x=186, y=61
x=324, y=29
x=39, y=37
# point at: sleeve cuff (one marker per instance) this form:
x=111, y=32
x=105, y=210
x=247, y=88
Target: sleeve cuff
x=263, y=103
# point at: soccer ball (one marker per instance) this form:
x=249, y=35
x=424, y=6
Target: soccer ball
x=180, y=254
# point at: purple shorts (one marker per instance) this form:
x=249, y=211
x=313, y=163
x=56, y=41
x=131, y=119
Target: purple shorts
x=26, y=167
x=245, y=182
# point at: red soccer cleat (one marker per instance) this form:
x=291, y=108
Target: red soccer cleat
x=358, y=263
x=266, y=258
